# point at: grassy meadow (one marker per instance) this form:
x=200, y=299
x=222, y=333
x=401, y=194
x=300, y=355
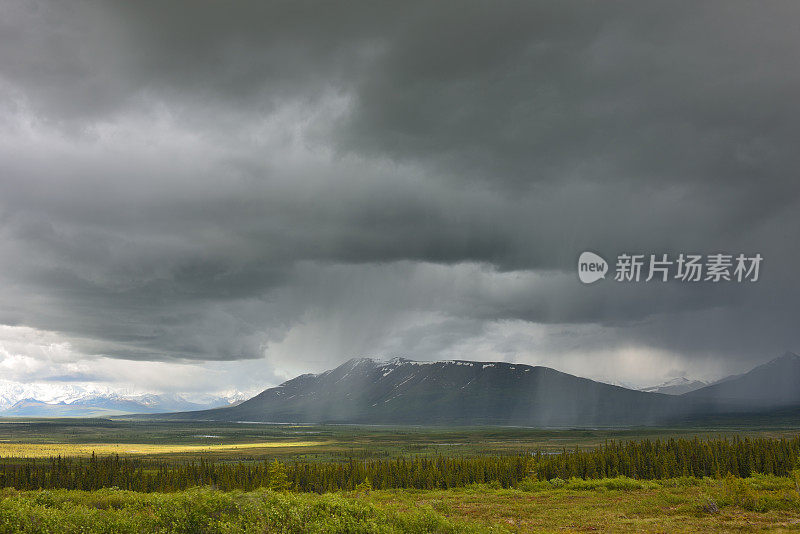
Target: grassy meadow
x=756, y=504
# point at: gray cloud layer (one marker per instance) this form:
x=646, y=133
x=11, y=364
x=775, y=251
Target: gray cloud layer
x=308, y=181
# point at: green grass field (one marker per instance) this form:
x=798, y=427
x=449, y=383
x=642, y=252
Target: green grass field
x=616, y=505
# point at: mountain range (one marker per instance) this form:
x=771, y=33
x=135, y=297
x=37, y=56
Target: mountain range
x=77, y=402
x=400, y=391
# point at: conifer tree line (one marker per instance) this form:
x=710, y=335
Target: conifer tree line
x=645, y=459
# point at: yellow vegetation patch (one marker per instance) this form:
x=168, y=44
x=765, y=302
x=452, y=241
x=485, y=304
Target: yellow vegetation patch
x=45, y=450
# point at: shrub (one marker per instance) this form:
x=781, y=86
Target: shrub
x=201, y=510
x=738, y=492
x=796, y=476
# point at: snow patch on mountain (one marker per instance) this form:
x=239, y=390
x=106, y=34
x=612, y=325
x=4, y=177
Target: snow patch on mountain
x=676, y=386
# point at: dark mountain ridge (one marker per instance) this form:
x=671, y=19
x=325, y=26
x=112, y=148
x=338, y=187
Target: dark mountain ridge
x=460, y=392
x=451, y=392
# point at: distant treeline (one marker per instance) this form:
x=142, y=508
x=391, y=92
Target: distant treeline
x=640, y=460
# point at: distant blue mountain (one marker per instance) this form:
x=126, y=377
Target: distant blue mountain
x=111, y=404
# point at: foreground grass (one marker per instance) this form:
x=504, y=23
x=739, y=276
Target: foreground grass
x=620, y=505
x=207, y=511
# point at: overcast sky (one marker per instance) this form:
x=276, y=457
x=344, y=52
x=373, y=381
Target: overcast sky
x=201, y=197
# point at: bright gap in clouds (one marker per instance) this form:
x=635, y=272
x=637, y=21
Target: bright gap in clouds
x=43, y=365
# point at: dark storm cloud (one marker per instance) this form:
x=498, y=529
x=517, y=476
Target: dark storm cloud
x=193, y=181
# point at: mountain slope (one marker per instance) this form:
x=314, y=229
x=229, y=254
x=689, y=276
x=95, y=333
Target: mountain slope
x=450, y=392
x=772, y=385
